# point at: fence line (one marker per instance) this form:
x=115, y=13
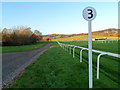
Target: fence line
x=108, y=40
x=67, y=47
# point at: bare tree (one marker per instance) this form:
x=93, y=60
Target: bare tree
x=19, y=36
x=38, y=34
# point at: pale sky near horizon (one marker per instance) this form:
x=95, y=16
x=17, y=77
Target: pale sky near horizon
x=58, y=17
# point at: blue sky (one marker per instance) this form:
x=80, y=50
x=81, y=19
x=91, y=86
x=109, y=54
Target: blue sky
x=58, y=17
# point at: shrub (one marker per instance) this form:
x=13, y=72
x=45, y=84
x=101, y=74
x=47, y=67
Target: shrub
x=19, y=36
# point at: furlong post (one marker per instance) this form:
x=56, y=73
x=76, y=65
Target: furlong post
x=90, y=54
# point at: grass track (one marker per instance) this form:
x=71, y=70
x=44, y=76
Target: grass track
x=107, y=46
x=8, y=49
x=57, y=69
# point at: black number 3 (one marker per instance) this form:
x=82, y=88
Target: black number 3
x=90, y=12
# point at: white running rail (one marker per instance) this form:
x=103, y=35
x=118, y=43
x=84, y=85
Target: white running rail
x=67, y=47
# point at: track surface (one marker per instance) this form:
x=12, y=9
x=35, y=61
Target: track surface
x=14, y=63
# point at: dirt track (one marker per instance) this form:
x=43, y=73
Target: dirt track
x=14, y=64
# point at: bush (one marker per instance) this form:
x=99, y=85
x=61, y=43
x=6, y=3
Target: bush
x=19, y=36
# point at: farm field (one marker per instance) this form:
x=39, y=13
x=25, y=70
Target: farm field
x=81, y=37
x=56, y=68
x=8, y=49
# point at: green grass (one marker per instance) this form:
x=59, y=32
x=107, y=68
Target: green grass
x=108, y=65
x=108, y=46
x=8, y=49
x=57, y=69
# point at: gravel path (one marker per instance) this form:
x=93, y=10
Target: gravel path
x=13, y=64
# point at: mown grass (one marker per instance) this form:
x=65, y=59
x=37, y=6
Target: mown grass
x=109, y=66
x=108, y=46
x=57, y=69
x=8, y=49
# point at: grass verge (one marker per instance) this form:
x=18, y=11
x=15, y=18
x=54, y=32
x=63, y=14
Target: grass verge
x=57, y=69
x=8, y=49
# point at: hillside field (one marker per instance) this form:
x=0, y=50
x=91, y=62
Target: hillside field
x=110, y=33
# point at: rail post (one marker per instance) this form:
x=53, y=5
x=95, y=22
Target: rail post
x=70, y=49
x=98, y=64
x=65, y=47
x=74, y=51
x=81, y=54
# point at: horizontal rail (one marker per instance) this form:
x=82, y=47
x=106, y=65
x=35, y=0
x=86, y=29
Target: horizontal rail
x=96, y=51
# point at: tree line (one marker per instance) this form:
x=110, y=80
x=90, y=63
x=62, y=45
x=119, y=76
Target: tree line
x=19, y=36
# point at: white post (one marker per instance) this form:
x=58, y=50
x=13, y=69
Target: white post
x=89, y=13
x=90, y=54
x=1, y=71
x=74, y=51
x=98, y=60
x=65, y=47
x=81, y=55
x=70, y=49
x=98, y=64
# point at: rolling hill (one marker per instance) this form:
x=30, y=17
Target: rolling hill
x=110, y=33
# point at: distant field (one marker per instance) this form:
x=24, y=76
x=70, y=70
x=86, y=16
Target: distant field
x=57, y=69
x=110, y=33
x=83, y=37
x=7, y=49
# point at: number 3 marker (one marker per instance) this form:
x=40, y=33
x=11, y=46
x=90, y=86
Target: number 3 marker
x=89, y=13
